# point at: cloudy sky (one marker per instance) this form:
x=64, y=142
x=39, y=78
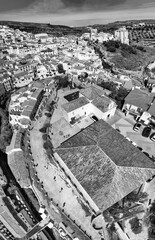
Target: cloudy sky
x=76, y=12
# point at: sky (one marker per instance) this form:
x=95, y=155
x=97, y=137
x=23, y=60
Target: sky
x=76, y=12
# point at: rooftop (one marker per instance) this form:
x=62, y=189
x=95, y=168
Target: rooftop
x=17, y=164
x=92, y=92
x=36, y=93
x=21, y=74
x=75, y=104
x=102, y=103
x=139, y=98
x=61, y=130
x=106, y=164
x=151, y=109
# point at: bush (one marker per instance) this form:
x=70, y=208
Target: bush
x=60, y=68
x=48, y=115
x=111, y=86
x=111, y=49
x=152, y=208
x=127, y=48
x=48, y=108
x=136, y=226
x=43, y=130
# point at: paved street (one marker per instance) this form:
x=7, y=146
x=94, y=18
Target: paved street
x=56, y=184
x=125, y=125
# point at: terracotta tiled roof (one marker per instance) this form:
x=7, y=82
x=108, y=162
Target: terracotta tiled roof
x=139, y=98
x=106, y=164
x=75, y=104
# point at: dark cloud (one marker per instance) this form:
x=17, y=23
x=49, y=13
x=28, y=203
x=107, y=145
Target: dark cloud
x=7, y=5
x=73, y=3
x=91, y=4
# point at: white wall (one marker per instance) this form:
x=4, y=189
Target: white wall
x=103, y=115
x=130, y=107
x=23, y=82
x=84, y=110
x=87, y=110
x=15, y=119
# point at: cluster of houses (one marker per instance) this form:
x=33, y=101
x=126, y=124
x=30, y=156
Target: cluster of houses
x=93, y=155
x=27, y=57
x=141, y=104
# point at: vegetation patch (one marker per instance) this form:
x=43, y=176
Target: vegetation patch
x=136, y=226
x=118, y=94
x=5, y=130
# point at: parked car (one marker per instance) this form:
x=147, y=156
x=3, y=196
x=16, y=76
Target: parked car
x=62, y=232
x=146, y=131
x=152, y=137
x=137, y=126
x=152, y=125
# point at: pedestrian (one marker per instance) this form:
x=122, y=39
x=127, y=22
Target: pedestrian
x=64, y=204
x=54, y=178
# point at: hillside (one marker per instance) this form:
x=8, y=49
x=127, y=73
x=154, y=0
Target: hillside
x=111, y=27
x=56, y=30
x=128, y=57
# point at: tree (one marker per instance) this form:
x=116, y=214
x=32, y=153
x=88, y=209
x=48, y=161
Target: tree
x=60, y=68
x=152, y=208
x=111, y=49
x=111, y=86
x=62, y=81
x=120, y=96
x=136, y=226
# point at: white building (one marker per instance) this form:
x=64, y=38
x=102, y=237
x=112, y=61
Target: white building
x=91, y=102
x=23, y=79
x=41, y=72
x=122, y=35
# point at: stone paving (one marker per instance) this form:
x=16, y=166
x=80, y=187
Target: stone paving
x=56, y=184
x=125, y=125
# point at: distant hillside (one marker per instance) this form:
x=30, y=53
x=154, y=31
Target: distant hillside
x=57, y=30
x=111, y=27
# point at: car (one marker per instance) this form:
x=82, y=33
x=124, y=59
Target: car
x=152, y=137
x=62, y=232
x=146, y=131
x=152, y=125
x=137, y=126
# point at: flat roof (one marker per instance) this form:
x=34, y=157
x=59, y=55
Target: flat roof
x=106, y=164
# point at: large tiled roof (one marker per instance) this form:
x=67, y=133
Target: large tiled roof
x=106, y=164
x=36, y=93
x=139, y=98
x=102, y=103
x=92, y=92
x=75, y=104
